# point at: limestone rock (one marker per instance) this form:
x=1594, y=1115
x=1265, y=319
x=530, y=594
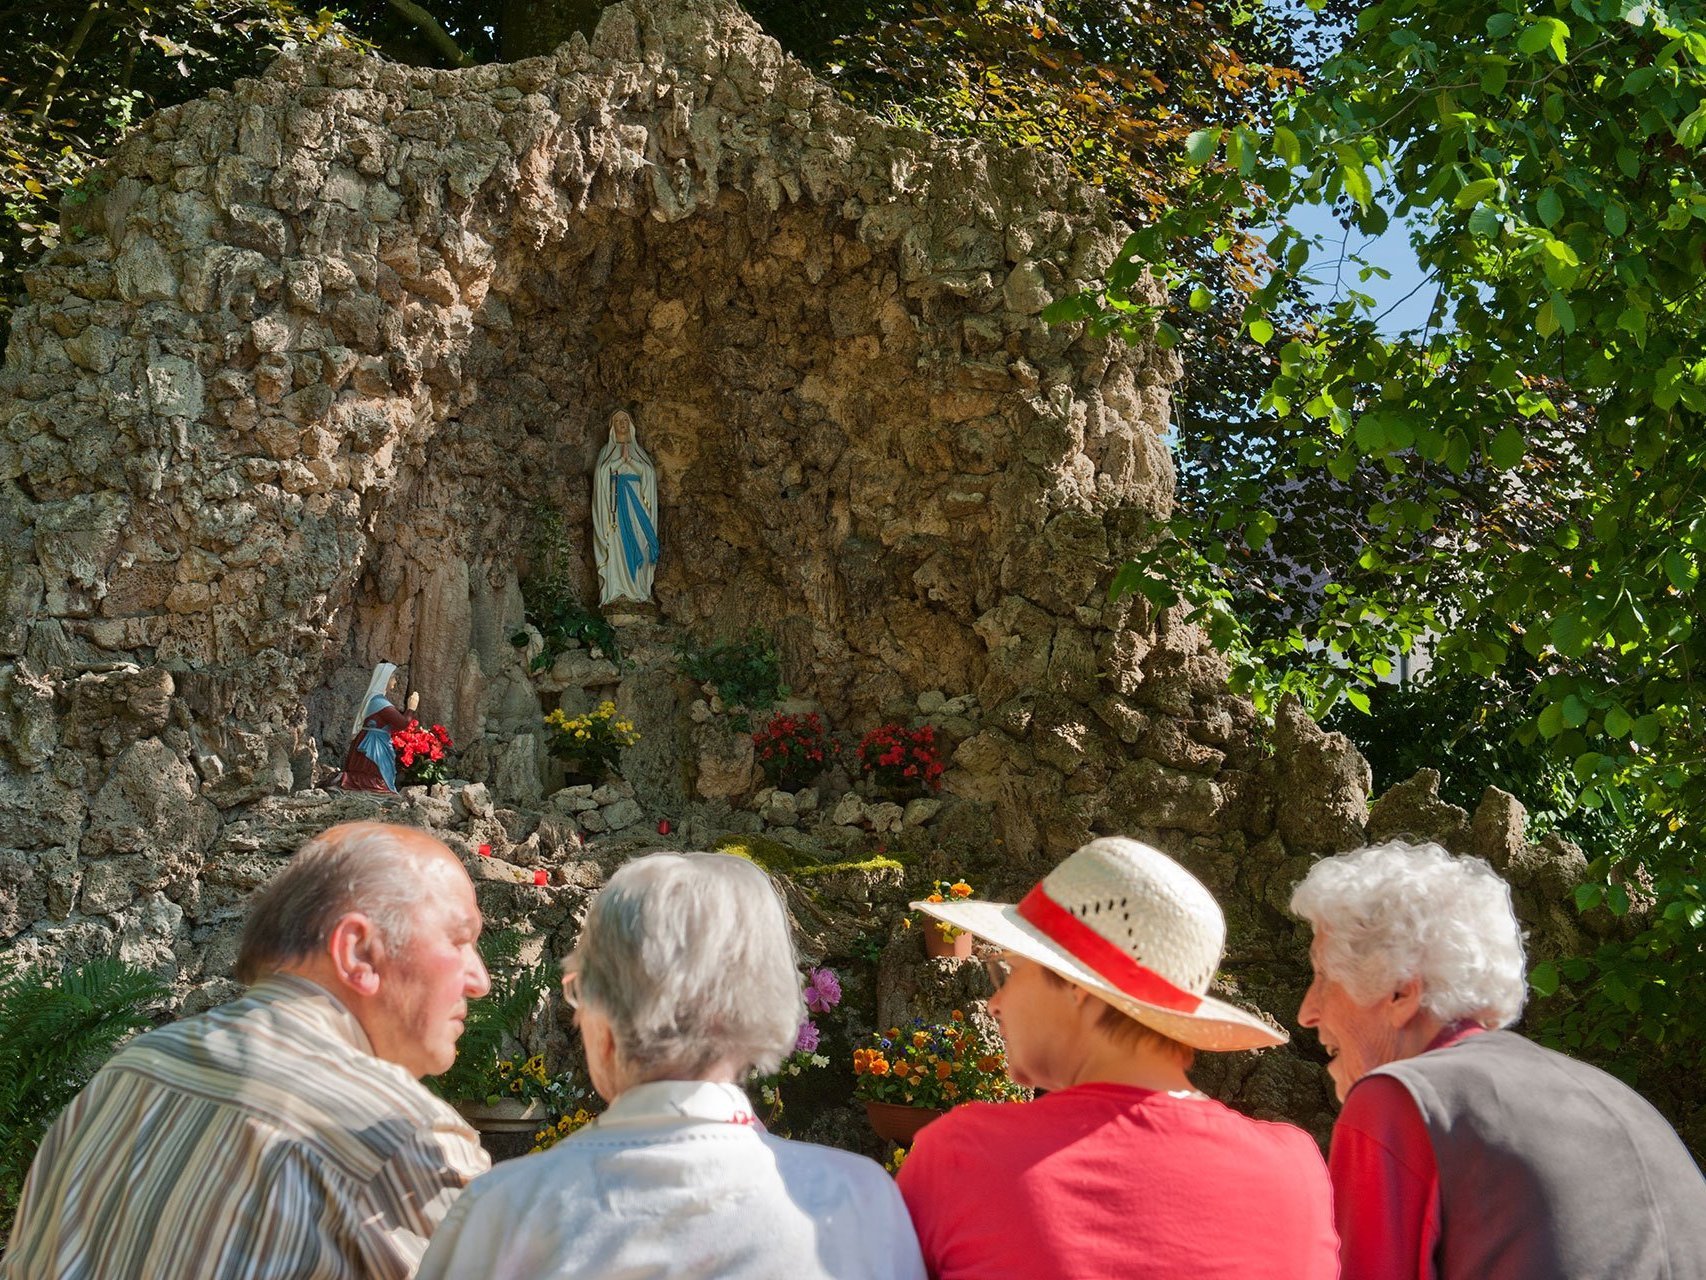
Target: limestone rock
x=1322, y=784
x=778, y=809
x=1412, y=810
x=149, y=806
x=517, y=773
x=724, y=765
x=623, y=813
x=474, y=800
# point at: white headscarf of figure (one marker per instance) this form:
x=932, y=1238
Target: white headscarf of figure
x=376, y=687
x=624, y=515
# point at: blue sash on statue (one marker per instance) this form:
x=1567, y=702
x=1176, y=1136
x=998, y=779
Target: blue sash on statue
x=375, y=743
x=633, y=523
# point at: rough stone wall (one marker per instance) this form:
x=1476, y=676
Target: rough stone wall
x=288, y=399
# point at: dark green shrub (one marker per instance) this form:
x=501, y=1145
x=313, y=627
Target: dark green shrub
x=55, y=1032
x=746, y=672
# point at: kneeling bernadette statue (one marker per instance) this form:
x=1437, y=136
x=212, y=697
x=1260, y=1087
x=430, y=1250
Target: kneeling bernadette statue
x=371, y=762
x=624, y=515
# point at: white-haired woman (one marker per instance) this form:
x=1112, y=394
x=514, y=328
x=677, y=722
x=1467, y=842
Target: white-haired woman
x=684, y=979
x=1463, y=1150
x=1123, y=1168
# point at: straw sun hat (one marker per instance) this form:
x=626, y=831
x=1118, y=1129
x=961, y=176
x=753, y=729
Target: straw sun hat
x=1131, y=926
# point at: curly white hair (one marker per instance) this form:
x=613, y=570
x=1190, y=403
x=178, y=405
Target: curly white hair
x=1396, y=911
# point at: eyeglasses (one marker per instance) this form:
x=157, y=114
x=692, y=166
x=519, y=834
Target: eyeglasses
x=998, y=970
x=571, y=990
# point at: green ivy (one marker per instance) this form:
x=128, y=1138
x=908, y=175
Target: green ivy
x=552, y=603
x=746, y=672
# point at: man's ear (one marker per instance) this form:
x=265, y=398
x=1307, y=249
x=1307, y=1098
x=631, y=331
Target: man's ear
x=1406, y=1002
x=356, y=951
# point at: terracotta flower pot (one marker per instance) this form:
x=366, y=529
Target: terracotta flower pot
x=938, y=947
x=898, y=1122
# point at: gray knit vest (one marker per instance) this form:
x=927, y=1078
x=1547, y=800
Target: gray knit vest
x=1550, y=1169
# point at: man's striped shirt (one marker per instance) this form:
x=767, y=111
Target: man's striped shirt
x=258, y=1141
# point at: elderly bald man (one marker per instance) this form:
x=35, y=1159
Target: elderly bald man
x=285, y=1133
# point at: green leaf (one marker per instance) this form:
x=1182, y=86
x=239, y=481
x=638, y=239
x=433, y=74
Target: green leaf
x=1261, y=527
x=1575, y=711
x=1681, y=569
x=1286, y=146
x=1456, y=451
x=1571, y=634
x=1692, y=130
x=1550, y=206
x=1589, y=896
x=1201, y=299
x=1618, y=722
x=1474, y=193
x=1354, y=177
x=1261, y=331
x=1065, y=310
x=1544, y=33
x=1544, y=978
x=1551, y=722
x=1485, y=222
x=1507, y=448
x=1616, y=219
x=1201, y=145
x=1617, y=898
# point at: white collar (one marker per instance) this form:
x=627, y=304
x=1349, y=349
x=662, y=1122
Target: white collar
x=678, y=1100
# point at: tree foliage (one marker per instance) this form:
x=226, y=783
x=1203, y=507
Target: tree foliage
x=1547, y=158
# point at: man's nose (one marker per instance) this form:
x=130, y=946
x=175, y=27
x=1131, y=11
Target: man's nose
x=479, y=981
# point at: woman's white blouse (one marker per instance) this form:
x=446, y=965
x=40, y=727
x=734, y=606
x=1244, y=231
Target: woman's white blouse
x=677, y=1179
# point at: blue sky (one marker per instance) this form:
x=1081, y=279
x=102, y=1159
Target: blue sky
x=1390, y=251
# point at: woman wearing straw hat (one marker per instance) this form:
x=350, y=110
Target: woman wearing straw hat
x=1122, y=1168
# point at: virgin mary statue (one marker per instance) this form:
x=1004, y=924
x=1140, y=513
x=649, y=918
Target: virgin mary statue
x=624, y=516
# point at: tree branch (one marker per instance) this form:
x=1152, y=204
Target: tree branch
x=51, y=88
x=436, y=35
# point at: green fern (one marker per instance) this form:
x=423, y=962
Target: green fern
x=54, y=1035
x=498, y=1022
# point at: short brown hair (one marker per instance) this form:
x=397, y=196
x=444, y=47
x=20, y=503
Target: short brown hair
x=1127, y=1031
